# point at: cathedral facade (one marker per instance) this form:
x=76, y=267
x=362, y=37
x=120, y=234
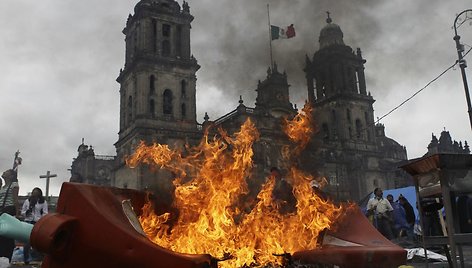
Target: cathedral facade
x=158, y=104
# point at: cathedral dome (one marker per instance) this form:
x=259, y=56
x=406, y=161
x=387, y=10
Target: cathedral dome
x=391, y=148
x=331, y=34
x=388, y=142
x=163, y=4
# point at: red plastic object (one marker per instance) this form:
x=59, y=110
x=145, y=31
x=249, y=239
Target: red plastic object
x=90, y=229
x=372, y=248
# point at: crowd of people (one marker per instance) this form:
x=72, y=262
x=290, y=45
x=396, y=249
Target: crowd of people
x=395, y=219
x=392, y=218
x=33, y=208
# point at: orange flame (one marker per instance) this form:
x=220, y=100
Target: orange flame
x=300, y=129
x=212, y=220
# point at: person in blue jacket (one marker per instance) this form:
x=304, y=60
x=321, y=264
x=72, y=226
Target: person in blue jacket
x=400, y=225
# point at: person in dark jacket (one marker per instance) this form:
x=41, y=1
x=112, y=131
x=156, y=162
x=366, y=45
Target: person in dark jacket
x=464, y=208
x=410, y=215
x=431, y=221
x=282, y=194
x=400, y=225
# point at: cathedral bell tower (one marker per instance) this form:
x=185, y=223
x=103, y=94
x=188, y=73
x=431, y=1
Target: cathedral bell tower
x=158, y=81
x=337, y=89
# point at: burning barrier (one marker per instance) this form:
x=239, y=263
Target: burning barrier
x=210, y=180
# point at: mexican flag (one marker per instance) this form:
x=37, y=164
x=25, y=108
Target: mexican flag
x=282, y=33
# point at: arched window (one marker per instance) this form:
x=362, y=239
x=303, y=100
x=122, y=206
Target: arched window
x=130, y=107
x=165, y=48
x=152, y=87
x=135, y=41
x=184, y=110
x=358, y=128
x=333, y=115
x=183, y=88
x=166, y=30
x=323, y=89
x=167, y=104
x=348, y=115
x=154, y=35
x=325, y=130
x=178, y=42
x=357, y=82
x=152, y=108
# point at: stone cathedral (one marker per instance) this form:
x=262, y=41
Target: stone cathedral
x=158, y=104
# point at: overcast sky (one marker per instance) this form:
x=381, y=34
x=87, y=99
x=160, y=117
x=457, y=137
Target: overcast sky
x=60, y=59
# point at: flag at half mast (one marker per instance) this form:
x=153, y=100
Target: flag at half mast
x=282, y=33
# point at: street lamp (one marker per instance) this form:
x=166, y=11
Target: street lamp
x=462, y=62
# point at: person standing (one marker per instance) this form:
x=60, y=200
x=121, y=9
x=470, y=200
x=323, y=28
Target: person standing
x=431, y=221
x=33, y=209
x=400, y=226
x=9, y=204
x=382, y=210
x=282, y=194
x=468, y=213
x=410, y=214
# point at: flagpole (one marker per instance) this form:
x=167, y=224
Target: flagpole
x=270, y=39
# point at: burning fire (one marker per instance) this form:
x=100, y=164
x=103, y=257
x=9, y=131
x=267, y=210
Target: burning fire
x=210, y=181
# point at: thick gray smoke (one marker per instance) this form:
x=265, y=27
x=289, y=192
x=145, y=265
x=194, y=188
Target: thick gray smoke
x=60, y=60
x=237, y=51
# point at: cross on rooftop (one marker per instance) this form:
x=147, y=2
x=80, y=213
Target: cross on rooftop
x=47, y=176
